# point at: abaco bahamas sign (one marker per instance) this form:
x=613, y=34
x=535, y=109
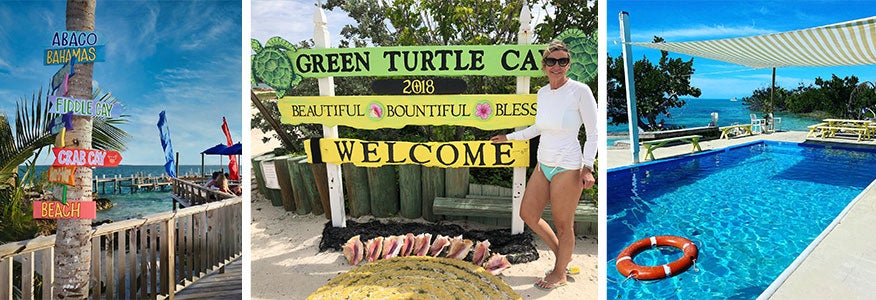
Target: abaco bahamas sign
x=80, y=44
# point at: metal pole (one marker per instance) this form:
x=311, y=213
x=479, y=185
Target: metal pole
x=630, y=81
x=524, y=37
x=327, y=88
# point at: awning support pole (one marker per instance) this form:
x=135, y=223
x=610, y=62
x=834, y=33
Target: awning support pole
x=630, y=81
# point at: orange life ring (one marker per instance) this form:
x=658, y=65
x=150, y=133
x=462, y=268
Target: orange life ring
x=627, y=267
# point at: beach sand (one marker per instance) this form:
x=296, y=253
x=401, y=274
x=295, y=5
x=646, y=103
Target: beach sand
x=286, y=263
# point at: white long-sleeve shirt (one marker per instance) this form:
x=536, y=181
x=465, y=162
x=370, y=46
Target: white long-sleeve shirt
x=560, y=115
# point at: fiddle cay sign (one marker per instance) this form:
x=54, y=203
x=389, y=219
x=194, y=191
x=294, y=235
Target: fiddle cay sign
x=84, y=107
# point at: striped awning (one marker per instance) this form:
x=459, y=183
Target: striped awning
x=844, y=44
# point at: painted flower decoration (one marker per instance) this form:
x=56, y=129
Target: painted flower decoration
x=375, y=111
x=484, y=110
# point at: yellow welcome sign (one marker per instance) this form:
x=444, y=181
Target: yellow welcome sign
x=488, y=112
x=481, y=154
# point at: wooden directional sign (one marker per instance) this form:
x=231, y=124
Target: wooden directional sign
x=58, y=210
x=84, y=107
x=86, y=158
x=82, y=45
x=61, y=122
x=430, y=86
x=65, y=72
x=62, y=175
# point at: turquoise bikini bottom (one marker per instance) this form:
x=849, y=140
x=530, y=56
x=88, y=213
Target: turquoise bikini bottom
x=549, y=171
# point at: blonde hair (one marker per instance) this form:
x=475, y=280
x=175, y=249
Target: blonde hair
x=222, y=183
x=555, y=45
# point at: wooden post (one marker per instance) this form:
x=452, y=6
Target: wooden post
x=168, y=275
x=327, y=88
x=383, y=187
x=359, y=197
x=6, y=278
x=410, y=191
x=524, y=37
x=433, y=186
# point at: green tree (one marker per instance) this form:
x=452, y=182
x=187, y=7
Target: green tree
x=658, y=88
x=760, y=99
x=567, y=15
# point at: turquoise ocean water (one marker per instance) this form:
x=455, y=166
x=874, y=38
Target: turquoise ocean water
x=697, y=113
x=127, y=205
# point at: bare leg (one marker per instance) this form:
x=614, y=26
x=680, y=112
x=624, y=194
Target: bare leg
x=565, y=190
x=535, y=199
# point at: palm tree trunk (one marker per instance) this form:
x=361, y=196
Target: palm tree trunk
x=73, y=239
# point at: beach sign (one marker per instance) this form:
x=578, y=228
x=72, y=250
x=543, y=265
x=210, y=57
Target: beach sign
x=488, y=112
x=63, y=75
x=84, y=107
x=70, y=210
x=70, y=157
x=82, y=45
x=62, y=175
x=429, y=86
x=477, y=154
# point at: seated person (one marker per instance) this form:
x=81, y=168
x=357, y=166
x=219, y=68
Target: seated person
x=212, y=182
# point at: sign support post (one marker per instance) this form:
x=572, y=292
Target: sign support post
x=327, y=88
x=524, y=37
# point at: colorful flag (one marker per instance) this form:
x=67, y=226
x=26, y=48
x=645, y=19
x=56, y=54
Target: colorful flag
x=232, y=161
x=164, y=132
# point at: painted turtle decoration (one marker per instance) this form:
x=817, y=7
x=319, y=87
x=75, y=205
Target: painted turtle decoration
x=583, y=49
x=272, y=66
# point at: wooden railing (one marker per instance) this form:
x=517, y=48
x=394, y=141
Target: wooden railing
x=187, y=194
x=133, y=259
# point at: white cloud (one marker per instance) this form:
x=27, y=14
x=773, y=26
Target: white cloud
x=699, y=32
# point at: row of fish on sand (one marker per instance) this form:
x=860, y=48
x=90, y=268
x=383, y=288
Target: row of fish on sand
x=422, y=245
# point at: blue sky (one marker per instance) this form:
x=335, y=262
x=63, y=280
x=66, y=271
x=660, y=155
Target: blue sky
x=680, y=21
x=180, y=56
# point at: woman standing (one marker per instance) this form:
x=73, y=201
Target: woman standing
x=564, y=170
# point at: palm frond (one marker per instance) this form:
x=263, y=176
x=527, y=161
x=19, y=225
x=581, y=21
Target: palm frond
x=106, y=134
x=31, y=133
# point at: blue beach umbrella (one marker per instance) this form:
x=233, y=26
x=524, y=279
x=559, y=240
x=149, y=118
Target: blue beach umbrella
x=215, y=150
x=236, y=149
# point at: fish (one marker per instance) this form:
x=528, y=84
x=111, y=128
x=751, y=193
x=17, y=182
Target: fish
x=373, y=248
x=392, y=245
x=459, y=248
x=438, y=245
x=496, y=264
x=353, y=250
x=407, y=245
x=421, y=244
x=481, y=252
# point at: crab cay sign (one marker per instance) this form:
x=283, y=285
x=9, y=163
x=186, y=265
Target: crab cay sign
x=80, y=44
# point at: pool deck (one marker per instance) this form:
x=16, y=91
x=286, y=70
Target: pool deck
x=839, y=266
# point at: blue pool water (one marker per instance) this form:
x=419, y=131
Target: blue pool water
x=751, y=210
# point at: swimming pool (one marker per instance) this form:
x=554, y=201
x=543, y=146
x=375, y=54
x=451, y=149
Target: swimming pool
x=751, y=209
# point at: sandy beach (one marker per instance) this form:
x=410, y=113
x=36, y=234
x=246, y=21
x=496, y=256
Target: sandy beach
x=286, y=263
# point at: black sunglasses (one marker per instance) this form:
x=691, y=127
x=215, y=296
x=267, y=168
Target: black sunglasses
x=550, y=61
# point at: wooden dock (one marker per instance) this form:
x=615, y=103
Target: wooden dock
x=219, y=285
x=132, y=184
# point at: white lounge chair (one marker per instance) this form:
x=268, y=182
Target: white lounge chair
x=757, y=125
